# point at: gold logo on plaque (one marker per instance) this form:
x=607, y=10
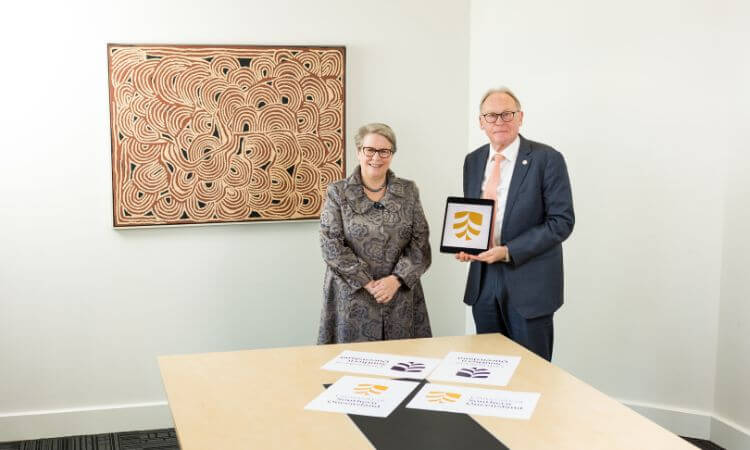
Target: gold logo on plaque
x=464, y=220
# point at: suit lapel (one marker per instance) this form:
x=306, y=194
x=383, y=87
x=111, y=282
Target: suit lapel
x=523, y=162
x=478, y=175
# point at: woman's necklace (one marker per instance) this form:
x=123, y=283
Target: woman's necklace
x=375, y=190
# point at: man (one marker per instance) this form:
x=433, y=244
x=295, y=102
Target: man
x=516, y=286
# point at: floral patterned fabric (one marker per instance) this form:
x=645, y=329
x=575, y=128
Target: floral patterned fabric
x=362, y=242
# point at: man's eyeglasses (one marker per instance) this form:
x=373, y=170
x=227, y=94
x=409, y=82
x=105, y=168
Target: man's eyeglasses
x=505, y=116
x=384, y=153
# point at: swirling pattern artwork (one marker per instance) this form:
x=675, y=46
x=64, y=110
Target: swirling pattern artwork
x=210, y=134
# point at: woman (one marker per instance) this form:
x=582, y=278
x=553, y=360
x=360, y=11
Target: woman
x=374, y=238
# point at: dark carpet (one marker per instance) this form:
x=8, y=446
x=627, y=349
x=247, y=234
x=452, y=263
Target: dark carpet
x=132, y=440
x=703, y=445
x=157, y=440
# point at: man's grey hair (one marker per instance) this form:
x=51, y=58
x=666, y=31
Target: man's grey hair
x=500, y=90
x=375, y=128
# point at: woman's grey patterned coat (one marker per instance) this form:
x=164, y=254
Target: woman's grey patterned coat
x=361, y=243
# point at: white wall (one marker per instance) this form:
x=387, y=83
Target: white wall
x=733, y=349
x=633, y=94
x=86, y=309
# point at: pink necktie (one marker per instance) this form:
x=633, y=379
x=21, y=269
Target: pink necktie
x=490, y=190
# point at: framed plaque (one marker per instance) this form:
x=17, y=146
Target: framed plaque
x=466, y=225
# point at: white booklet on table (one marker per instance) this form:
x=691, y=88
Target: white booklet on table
x=477, y=401
x=476, y=368
x=376, y=397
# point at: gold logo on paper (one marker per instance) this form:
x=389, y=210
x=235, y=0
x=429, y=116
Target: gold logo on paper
x=369, y=389
x=442, y=397
x=463, y=224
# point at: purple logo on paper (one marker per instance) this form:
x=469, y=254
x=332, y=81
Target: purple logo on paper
x=410, y=366
x=473, y=372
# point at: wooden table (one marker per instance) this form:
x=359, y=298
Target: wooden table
x=255, y=399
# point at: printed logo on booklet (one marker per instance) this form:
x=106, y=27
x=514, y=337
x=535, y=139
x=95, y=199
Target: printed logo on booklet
x=370, y=389
x=382, y=364
x=442, y=397
x=473, y=372
x=410, y=366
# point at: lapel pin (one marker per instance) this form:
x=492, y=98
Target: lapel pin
x=524, y=162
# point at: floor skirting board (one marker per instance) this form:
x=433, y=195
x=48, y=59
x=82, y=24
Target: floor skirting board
x=83, y=421
x=728, y=434
x=683, y=422
x=156, y=415
x=697, y=424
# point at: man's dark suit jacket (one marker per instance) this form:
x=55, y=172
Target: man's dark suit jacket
x=538, y=218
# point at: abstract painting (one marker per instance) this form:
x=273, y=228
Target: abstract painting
x=217, y=134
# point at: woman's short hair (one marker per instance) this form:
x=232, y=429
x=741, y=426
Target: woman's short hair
x=375, y=128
